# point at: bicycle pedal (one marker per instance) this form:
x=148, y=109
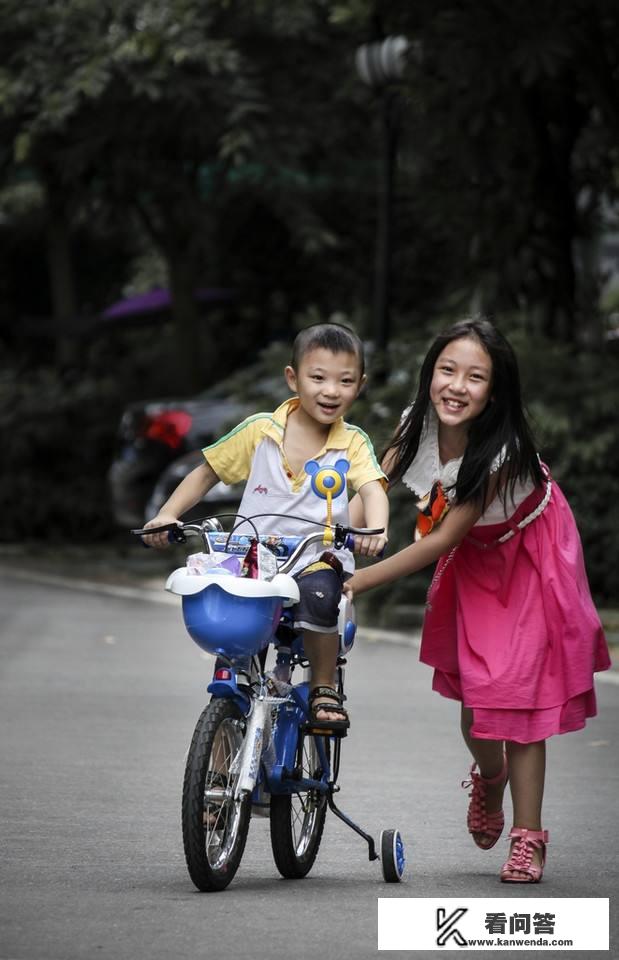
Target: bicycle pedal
x=315, y=731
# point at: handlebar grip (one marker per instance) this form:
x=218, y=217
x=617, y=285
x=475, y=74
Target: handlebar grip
x=174, y=531
x=349, y=544
x=176, y=536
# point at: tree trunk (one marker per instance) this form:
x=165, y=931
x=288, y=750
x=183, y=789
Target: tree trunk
x=62, y=282
x=194, y=368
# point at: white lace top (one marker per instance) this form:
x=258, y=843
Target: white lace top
x=427, y=468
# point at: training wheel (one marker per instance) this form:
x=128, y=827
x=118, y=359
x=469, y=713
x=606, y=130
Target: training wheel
x=392, y=856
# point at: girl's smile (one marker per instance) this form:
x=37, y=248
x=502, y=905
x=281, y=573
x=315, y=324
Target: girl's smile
x=461, y=382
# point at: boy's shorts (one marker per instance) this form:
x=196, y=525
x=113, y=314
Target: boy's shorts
x=320, y=587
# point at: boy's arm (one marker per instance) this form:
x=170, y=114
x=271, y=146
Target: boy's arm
x=189, y=491
x=356, y=515
x=372, y=508
x=355, y=507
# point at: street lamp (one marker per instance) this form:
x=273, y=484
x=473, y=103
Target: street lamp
x=380, y=64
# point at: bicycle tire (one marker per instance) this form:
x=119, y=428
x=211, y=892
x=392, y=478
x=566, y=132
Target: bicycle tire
x=392, y=856
x=298, y=819
x=214, y=830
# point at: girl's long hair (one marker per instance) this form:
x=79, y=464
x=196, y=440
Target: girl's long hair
x=502, y=423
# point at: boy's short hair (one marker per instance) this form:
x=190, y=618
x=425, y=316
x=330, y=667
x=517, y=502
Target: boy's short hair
x=330, y=336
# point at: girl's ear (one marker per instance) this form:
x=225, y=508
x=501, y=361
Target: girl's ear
x=291, y=378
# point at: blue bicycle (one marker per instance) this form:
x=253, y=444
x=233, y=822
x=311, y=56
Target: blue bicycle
x=254, y=751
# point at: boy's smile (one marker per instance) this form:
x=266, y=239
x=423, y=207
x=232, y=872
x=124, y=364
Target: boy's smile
x=327, y=384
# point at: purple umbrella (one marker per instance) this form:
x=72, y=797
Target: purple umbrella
x=158, y=300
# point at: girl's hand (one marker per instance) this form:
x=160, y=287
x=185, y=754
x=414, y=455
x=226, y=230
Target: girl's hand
x=348, y=589
x=370, y=546
x=159, y=540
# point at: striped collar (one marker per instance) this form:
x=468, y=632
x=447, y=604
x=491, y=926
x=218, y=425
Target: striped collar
x=339, y=435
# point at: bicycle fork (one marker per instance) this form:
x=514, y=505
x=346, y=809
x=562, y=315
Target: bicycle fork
x=257, y=746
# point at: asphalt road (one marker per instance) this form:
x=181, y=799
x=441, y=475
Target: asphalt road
x=98, y=698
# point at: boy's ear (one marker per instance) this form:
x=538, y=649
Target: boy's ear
x=291, y=378
x=362, y=383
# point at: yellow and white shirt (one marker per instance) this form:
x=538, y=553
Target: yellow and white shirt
x=254, y=451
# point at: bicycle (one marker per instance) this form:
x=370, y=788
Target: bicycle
x=254, y=750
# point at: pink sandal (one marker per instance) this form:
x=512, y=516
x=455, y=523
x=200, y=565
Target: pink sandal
x=521, y=857
x=478, y=820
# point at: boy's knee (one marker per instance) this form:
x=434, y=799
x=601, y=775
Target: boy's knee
x=318, y=608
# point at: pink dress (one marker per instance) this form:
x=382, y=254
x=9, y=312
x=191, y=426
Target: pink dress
x=511, y=629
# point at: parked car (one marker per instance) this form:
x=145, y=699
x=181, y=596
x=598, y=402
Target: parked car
x=159, y=442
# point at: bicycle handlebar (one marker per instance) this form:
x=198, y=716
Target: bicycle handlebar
x=281, y=546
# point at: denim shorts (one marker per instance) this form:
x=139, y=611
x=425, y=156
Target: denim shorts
x=318, y=608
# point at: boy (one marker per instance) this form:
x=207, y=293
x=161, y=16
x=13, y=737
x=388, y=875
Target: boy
x=269, y=451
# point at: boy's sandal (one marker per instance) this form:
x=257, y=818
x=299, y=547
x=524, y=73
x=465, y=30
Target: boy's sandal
x=484, y=827
x=520, y=867
x=335, y=727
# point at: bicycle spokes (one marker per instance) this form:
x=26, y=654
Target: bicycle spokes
x=221, y=811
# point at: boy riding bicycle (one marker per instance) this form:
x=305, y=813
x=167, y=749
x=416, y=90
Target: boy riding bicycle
x=269, y=452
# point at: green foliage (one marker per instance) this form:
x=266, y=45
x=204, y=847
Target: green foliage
x=573, y=403
x=57, y=446
x=510, y=129
x=178, y=116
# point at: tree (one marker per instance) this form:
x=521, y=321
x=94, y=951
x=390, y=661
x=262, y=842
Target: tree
x=512, y=144
x=167, y=112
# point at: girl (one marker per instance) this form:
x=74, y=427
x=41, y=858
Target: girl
x=510, y=627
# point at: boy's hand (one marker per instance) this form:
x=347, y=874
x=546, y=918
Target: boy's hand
x=370, y=546
x=159, y=540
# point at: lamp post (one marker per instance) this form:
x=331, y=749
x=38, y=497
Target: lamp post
x=380, y=64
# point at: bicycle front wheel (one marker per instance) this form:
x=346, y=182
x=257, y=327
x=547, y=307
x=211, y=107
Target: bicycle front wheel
x=298, y=819
x=215, y=825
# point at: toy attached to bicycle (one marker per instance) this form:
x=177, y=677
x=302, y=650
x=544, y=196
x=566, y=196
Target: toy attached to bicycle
x=256, y=749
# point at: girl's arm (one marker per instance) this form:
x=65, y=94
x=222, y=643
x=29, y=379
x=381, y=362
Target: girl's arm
x=420, y=554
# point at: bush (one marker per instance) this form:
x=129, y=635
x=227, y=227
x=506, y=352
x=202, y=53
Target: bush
x=574, y=412
x=58, y=437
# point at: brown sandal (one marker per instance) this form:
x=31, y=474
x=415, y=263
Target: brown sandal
x=328, y=727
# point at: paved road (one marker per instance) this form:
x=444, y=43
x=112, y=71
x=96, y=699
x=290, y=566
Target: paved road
x=98, y=698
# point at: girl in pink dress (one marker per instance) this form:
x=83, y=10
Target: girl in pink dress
x=510, y=627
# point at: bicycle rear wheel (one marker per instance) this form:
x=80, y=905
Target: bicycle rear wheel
x=215, y=825
x=298, y=819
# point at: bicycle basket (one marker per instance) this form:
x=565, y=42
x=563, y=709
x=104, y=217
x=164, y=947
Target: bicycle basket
x=231, y=616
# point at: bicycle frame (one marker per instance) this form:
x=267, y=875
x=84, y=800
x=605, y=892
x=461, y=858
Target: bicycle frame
x=273, y=751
